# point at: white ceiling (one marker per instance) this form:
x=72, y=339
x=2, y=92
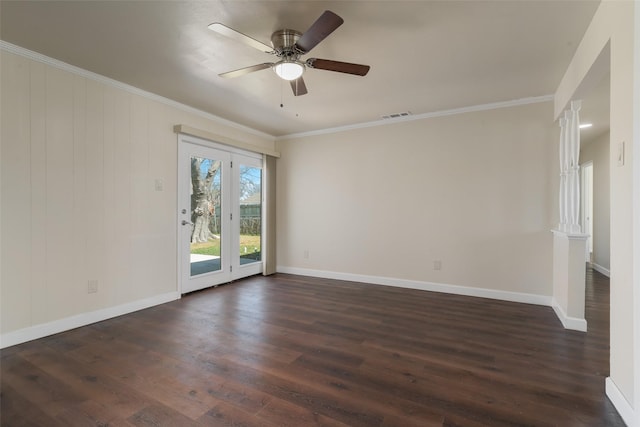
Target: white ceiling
x=425, y=56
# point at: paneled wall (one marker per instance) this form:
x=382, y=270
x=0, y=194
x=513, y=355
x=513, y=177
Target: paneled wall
x=88, y=193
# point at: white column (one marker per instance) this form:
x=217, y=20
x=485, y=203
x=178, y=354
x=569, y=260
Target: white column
x=569, y=245
x=564, y=155
x=574, y=167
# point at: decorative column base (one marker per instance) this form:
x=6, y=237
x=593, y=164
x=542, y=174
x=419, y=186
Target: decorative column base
x=569, y=278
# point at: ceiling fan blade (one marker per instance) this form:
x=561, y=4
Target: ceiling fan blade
x=298, y=86
x=245, y=70
x=236, y=35
x=319, y=30
x=341, y=67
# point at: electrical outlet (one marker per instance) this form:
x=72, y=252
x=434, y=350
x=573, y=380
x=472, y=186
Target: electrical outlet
x=92, y=286
x=306, y=254
x=437, y=265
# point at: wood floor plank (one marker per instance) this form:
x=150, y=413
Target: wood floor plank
x=88, y=381
x=160, y=415
x=286, y=414
x=33, y=384
x=91, y=413
x=288, y=350
x=227, y=415
x=305, y=390
x=23, y=412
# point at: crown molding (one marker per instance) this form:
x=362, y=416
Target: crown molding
x=11, y=48
x=38, y=57
x=451, y=112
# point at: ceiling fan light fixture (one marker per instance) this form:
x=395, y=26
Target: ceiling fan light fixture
x=289, y=46
x=289, y=70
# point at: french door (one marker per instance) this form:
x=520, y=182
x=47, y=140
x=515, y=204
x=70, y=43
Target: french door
x=219, y=214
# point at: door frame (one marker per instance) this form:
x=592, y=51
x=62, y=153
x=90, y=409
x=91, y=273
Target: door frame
x=586, y=205
x=230, y=264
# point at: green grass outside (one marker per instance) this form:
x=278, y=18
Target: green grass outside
x=248, y=245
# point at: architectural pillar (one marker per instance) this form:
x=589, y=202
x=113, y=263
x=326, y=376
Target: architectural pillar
x=564, y=168
x=574, y=167
x=569, y=278
x=569, y=244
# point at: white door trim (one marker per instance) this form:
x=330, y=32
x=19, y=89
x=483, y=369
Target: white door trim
x=586, y=205
x=231, y=268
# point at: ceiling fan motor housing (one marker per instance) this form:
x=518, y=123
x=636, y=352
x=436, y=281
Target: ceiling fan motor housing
x=283, y=42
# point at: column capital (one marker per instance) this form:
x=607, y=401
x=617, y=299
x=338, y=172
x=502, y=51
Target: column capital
x=576, y=105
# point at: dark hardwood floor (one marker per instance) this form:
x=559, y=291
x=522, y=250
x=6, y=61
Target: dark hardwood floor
x=296, y=351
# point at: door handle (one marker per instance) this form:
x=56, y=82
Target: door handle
x=185, y=222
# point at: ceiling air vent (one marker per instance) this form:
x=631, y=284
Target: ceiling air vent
x=396, y=115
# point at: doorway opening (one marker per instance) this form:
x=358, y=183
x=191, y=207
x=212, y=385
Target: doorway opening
x=220, y=197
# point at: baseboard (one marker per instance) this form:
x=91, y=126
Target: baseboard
x=621, y=404
x=600, y=269
x=424, y=286
x=45, y=329
x=568, y=322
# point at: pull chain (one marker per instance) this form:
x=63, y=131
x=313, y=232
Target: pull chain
x=281, y=92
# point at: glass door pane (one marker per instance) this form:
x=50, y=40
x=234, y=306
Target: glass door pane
x=250, y=192
x=206, y=235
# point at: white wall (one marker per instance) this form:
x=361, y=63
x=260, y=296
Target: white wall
x=613, y=25
x=598, y=153
x=474, y=191
x=79, y=161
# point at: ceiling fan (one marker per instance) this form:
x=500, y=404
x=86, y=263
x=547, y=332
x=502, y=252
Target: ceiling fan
x=289, y=46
